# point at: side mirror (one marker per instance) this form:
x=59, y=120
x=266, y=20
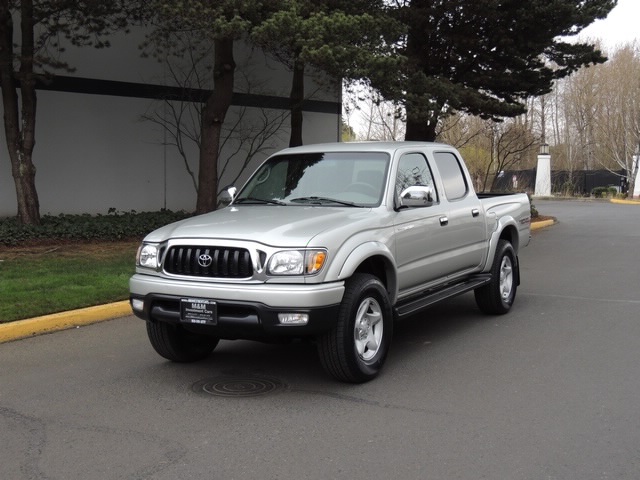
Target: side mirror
x=227, y=196
x=416, y=196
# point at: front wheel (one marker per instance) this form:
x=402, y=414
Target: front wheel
x=178, y=345
x=497, y=297
x=356, y=348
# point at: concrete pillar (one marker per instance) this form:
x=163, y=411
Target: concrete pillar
x=543, y=173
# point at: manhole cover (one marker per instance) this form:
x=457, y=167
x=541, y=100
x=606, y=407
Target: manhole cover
x=240, y=386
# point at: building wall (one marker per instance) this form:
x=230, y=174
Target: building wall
x=95, y=152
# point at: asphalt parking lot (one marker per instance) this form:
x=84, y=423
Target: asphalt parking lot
x=549, y=391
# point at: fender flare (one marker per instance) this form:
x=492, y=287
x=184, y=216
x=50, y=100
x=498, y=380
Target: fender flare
x=503, y=224
x=368, y=250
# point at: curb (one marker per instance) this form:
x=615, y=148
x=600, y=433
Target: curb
x=542, y=224
x=85, y=316
x=63, y=320
x=625, y=202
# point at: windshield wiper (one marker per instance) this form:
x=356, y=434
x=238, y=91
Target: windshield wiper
x=321, y=200
x=259, y=200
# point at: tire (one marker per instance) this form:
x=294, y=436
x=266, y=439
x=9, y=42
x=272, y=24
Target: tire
x=496, y=298
x=355, y=349
x=178, y=345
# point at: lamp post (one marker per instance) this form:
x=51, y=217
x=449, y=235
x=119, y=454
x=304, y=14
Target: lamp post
x=543, y=172
x=544, y=149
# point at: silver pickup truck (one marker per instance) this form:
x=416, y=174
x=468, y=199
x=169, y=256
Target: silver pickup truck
x=332, y=242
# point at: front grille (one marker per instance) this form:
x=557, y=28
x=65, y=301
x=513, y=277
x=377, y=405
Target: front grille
x=218, y=262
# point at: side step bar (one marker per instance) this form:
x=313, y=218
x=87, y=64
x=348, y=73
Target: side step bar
x=413, y=304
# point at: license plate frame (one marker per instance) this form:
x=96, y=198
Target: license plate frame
x=198, y=311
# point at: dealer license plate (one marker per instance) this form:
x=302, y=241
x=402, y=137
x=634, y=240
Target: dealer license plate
x=198, y=310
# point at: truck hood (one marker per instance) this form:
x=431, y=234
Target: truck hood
x=290, y=226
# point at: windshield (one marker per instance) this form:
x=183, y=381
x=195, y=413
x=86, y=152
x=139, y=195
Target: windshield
x=328, y=179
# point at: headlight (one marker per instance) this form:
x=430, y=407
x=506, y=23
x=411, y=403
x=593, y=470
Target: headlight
x=297, y=262
x=147, y=256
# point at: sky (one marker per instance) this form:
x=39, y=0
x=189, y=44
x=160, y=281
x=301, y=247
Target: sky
x=621, y=26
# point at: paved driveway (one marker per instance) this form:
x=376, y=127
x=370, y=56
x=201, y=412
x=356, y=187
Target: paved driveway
x=549, y=391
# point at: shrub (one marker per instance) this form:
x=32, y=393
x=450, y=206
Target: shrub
x=111, y=227
x=603, y=192
x=568, y=189
x=534, y=210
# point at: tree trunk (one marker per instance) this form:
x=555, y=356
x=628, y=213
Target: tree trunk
x=20, y=141
x=420, y=130
x=421, y=124
x=213, y=116
x=295, y=100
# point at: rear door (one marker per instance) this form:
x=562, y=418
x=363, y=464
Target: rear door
x=466, y=226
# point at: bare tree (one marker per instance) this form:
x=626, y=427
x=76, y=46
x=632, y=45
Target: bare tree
x=618, y=128
x=511, y=141
x=381, y=120
x=596, y=115
x=247, y=133
x=468, y=134
x=582, y=102
x=490, y=147
x=461, y=129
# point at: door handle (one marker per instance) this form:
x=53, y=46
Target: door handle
x=444, y=221
x=475, y=212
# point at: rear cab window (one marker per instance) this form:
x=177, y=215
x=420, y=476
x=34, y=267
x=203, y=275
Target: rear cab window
x=452, y=175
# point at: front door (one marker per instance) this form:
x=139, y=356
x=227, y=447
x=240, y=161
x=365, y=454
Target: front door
x=421, y=238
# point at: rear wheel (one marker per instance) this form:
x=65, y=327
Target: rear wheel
x=178, y=345
x=497, y=297
x=356, y=348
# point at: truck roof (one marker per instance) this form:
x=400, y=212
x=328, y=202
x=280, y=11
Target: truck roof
x=361, y=147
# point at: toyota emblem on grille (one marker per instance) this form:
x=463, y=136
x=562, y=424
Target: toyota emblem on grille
x=205, y=260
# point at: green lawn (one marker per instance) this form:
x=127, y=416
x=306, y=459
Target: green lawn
x=54, y=278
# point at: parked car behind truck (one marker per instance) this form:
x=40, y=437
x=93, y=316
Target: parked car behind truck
x=333, y=242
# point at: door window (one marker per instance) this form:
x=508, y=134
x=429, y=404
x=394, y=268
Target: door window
x=413, y=170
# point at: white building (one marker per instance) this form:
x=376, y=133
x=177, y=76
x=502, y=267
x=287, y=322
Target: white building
x=94, y=152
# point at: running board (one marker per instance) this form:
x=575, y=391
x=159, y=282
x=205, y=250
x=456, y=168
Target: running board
x=413, y=305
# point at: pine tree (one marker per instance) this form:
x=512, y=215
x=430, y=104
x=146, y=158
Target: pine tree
x=484, y=57
x=340, y=38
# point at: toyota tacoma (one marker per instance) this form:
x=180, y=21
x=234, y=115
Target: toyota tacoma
x=332, y=242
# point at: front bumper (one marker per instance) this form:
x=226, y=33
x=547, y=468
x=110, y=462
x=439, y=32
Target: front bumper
x=243, y=311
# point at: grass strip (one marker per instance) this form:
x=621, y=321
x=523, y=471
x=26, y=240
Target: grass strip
x=48, y=279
